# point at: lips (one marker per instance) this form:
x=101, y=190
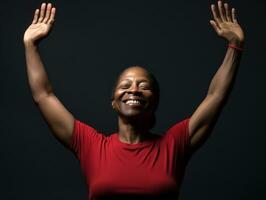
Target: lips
x=134, y=102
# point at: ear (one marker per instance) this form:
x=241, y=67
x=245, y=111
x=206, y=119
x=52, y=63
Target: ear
x=113, y=105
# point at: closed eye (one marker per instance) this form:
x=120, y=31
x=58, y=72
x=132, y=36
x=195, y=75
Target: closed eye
x=145, y=86
x=124, y=86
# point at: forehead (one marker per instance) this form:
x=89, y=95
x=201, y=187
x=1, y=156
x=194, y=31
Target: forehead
x=134, y=73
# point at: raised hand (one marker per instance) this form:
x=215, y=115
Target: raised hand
x=41, y=24
x=225, y=23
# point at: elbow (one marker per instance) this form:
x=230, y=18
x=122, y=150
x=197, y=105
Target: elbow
x=39, y=93
x=38, y=97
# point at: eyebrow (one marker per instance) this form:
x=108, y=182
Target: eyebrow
x=140, y=80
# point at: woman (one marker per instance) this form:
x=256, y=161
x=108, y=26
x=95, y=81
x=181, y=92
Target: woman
x=134, y=162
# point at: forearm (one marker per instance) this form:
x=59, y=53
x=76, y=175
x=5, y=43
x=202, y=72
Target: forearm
x=222, y=82
x=37, y=76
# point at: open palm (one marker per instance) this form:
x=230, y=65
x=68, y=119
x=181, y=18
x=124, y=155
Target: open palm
x=41, y=24
x=225, y=23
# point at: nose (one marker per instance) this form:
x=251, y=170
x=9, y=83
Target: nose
x=134, y=88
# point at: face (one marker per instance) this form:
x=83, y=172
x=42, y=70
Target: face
x=133, y=95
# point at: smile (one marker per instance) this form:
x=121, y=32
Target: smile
x=134, y=102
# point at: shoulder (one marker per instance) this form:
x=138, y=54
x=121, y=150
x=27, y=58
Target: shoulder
x=177, y=136
x=84, y=128
x=179, y=127
x=85, y=133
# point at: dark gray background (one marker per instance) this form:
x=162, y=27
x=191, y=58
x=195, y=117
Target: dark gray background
x=92, y=41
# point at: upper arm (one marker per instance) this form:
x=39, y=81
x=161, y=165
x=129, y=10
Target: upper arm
x=58, y=118
x=203, y=120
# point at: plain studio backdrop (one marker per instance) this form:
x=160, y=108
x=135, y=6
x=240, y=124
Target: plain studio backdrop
x=91, y=42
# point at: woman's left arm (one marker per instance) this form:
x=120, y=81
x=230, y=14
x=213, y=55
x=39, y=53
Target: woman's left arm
x=204, y=118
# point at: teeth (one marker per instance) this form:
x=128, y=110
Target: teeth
x=132, y=102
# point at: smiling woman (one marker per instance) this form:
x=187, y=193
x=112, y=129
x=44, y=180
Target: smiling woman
x=136, y=91
x=133, y=162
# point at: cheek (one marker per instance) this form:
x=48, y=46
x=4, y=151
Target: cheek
x=117, y=98
x=118, y=95
x=150, y=96
x=152, y=102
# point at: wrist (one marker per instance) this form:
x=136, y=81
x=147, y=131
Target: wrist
x=29, y=44
x=237, y=43
x=236, y=47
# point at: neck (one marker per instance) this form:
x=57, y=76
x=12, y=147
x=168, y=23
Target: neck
x=132, y=131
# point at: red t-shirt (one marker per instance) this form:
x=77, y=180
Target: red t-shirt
x=150, y=169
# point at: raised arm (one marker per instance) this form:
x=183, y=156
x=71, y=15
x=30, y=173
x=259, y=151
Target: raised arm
x=56, y=115
x=204, y=118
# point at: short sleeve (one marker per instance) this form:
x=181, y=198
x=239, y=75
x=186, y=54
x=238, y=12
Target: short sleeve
x=178, y=134
x=84, y=137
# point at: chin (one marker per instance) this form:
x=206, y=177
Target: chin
x=134, y=115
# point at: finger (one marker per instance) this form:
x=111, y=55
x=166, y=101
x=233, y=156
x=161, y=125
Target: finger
x=47, y=13
x=215, y=14
x=227, y=12
x=234, y=15
x=35, y=18
x=221, y=11
x=52, y=16
x=215, y=26
x=43, y=6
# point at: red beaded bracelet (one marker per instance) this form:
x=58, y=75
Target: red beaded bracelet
x=235, y=47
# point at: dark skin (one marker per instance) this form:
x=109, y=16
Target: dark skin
x=134, y=85
x=204, y=118
x=131, y=118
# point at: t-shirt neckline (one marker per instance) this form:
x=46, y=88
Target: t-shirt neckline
x=131, y=146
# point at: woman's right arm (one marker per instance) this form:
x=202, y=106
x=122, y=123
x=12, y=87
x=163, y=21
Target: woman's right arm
x=59, y=119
